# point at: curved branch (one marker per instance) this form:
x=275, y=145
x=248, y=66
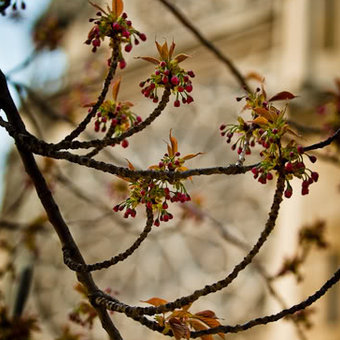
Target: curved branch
x=112, y=70
x=41, y=148
x=82, y=267
x=274, y=317
x=48, y=202
x=112, y=304
x=324, y=143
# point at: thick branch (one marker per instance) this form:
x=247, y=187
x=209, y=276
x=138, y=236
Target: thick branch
x=47, y=200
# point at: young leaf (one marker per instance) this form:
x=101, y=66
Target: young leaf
x=284, y=95
x=130, y=165
x=150, y=60
x=171, y=50
x=207, y=314
x=255, y=76
x=260, y=121
x=191, y=155
x=170, y=151
x=159, y=48
x=179, y=329
x=174, y=143
x=155, y=301
x=165, y=51
x=181, y=57
x=117, y=7
x=198, y=326
x=153, y=167
x=115, y=88
x=212, y=321
x=265, y=113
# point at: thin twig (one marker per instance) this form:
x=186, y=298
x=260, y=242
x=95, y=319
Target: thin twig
x=112, y=69
x=204, y=41
x=81, y=267
x=111, y=304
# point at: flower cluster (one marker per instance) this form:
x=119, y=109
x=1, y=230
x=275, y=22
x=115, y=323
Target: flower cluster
x=157, y=194
x=117, y=114
x=267, y=128
x=114, y=24
x=182, y=321
x=168, y=74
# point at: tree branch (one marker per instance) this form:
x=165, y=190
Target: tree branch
x=204, y=41
x=81, y=267
x=50, y=206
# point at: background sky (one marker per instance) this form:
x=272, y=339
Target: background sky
x=16, y=46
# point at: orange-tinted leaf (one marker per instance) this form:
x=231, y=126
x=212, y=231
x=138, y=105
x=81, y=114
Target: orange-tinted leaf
x=153, y=167
x=115, y=88
x=181, y=57
x=191, y=155
x=260, y=121
x=89, y=104
x=261, y=111
x=207, y=314
x=165, y=51
x=171, y=50
x=198, y=326
x=179, y=329
x=170, y=152
x=159, y=48
x=211, y=322
x=96, y=6
x=130, y=165
x=155, y=301
x=81, y=289
x=182, y=168
x=180, y=314
x=284, y=95
x=150, y=60
x=255, y=76
x=174, y=143
x=117, y=7
x=129, y=104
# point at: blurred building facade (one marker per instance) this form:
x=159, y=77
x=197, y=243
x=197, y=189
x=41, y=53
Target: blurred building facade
x=295, y=45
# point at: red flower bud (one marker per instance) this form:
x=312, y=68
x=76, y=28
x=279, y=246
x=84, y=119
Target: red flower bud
x=312, y=159
x=177, y=103
x=288, y=193
x=142, y=36
x=125, y=143
x=122, y=64
x=128, y=48
x=174, y=80
x=315, y=176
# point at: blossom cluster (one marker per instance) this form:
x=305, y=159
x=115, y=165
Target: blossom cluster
x=168, y=74
x=119, y=116
x=156, y=194
x=116, y=114
x=115, y=25
x=267, y=128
